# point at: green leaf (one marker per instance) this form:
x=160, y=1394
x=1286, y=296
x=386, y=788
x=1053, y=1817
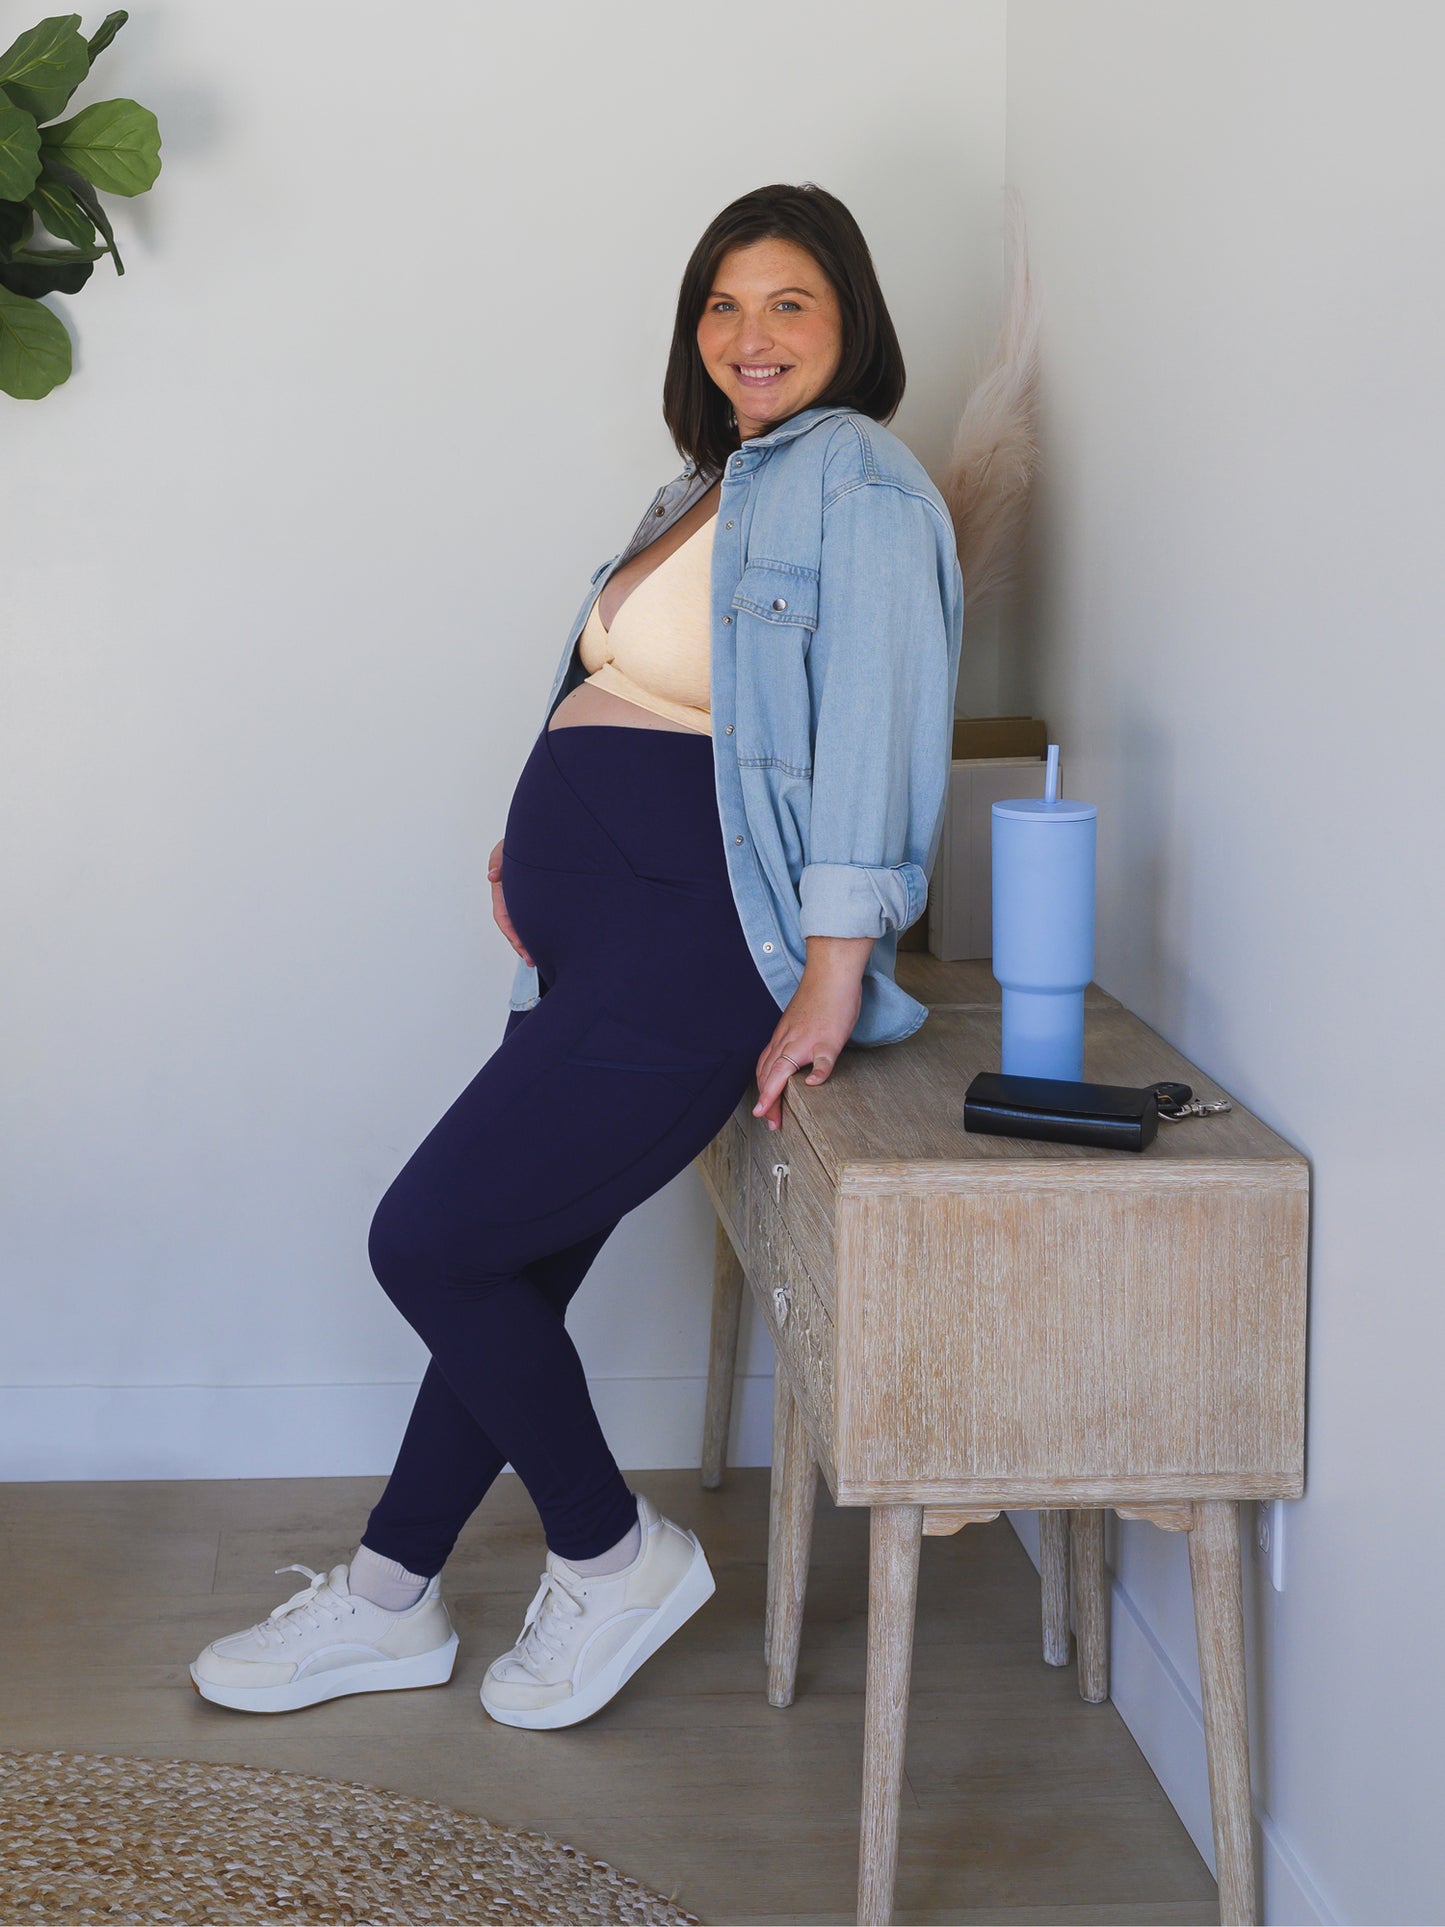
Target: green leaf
x=92, y=253
x=115, y=144
x=87, y=200
x=17, y=223
x=19, y=151
x=105, y=33
x=34, y=348
x=60, y=213
x=37, y=271
x=43, y=68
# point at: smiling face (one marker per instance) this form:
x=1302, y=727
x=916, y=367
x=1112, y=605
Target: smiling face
x=771, y=333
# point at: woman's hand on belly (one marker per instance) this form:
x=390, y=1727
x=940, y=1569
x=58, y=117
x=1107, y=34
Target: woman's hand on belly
x=499, y=907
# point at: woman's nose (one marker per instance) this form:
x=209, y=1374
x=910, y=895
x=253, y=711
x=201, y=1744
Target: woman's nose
x=753, y=338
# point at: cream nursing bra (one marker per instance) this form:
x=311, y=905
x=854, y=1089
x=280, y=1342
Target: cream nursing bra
x=658, y=651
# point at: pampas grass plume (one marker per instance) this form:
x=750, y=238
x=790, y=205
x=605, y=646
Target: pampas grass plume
x=988, y=477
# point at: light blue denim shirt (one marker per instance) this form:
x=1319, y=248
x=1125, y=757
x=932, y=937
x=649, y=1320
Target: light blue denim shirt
x=837, y=626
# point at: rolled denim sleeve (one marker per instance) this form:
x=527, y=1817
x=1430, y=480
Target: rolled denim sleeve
x=884, y=669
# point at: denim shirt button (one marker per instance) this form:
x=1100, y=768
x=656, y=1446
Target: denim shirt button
x=659, y=510
x=737, y=839
x=727, y=525
x=727, y=618
x=780, y=602
x=728, y=730
x=767, y=946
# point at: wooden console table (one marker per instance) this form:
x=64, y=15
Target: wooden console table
x=965, y=1323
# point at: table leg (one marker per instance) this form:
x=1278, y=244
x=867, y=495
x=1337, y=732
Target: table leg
x=1089, y=1585
x=782, y=1406
x=790, y=1552
x=1219, y=1623
x=1054, y=1577
x=722, y=1357
x=895, y=1533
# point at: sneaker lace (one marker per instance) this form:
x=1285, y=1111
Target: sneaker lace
x=314, y=1603
x=544, y=1628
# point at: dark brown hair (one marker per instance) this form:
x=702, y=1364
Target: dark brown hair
x=870, y=373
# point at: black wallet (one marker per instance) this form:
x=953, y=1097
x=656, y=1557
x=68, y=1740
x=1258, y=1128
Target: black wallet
x=1112, y=1115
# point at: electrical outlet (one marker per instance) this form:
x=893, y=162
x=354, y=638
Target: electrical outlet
x=1269, y=1539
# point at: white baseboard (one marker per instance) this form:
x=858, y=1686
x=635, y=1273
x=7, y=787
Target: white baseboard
x=321, y=1431
x=1167, y=1722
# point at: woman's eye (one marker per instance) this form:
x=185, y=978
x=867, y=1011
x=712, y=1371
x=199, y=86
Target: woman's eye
x=727, y=304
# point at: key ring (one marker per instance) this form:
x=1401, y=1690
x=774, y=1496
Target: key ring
x=1177, y=1101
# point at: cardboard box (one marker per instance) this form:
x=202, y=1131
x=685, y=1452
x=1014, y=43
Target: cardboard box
x=995, y=757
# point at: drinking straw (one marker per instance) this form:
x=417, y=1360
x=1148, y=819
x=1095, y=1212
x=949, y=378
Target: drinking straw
x=1051, y=775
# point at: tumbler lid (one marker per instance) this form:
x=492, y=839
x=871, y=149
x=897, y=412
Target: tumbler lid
x=1063, y=811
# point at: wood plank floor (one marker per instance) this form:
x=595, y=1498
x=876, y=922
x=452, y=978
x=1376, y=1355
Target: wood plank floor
x=1023, y=1803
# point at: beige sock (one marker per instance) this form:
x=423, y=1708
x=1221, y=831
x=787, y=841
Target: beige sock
x=383, y=1581
x=616, y=1557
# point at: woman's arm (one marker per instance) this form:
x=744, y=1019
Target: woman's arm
x=818, y=1022
x=882, y=662
x=885, y=673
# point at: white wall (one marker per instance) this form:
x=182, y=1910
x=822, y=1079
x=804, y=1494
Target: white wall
x=1233, y=627
x=288, y=565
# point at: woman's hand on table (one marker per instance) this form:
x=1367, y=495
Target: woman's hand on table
x=499, y=907
x=817, y=1023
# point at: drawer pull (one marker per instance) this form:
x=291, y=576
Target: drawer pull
x=782, y=1301
x=780, y=1171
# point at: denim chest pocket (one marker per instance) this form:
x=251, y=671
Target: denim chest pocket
x=780, y=592
x=774, y=702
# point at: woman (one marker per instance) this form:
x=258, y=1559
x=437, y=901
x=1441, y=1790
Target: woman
x=730, y=812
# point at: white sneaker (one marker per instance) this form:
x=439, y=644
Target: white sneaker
x=325, y=1641
x=586, y=1634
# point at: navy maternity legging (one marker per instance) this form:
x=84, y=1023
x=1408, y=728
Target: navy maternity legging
x=650, y=1024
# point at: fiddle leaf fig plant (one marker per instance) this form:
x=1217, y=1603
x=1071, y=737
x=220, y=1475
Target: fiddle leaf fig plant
x=50, y=171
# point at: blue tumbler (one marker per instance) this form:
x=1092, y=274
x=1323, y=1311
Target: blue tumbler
x=1043, y=927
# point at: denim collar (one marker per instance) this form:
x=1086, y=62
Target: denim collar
x=785, y=431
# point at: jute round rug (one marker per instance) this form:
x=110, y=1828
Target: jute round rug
x=104, y=1837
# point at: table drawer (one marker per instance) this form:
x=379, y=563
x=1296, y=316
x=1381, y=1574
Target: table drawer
x=798, y=1318
x=807, y=1198
x=724, y=1169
